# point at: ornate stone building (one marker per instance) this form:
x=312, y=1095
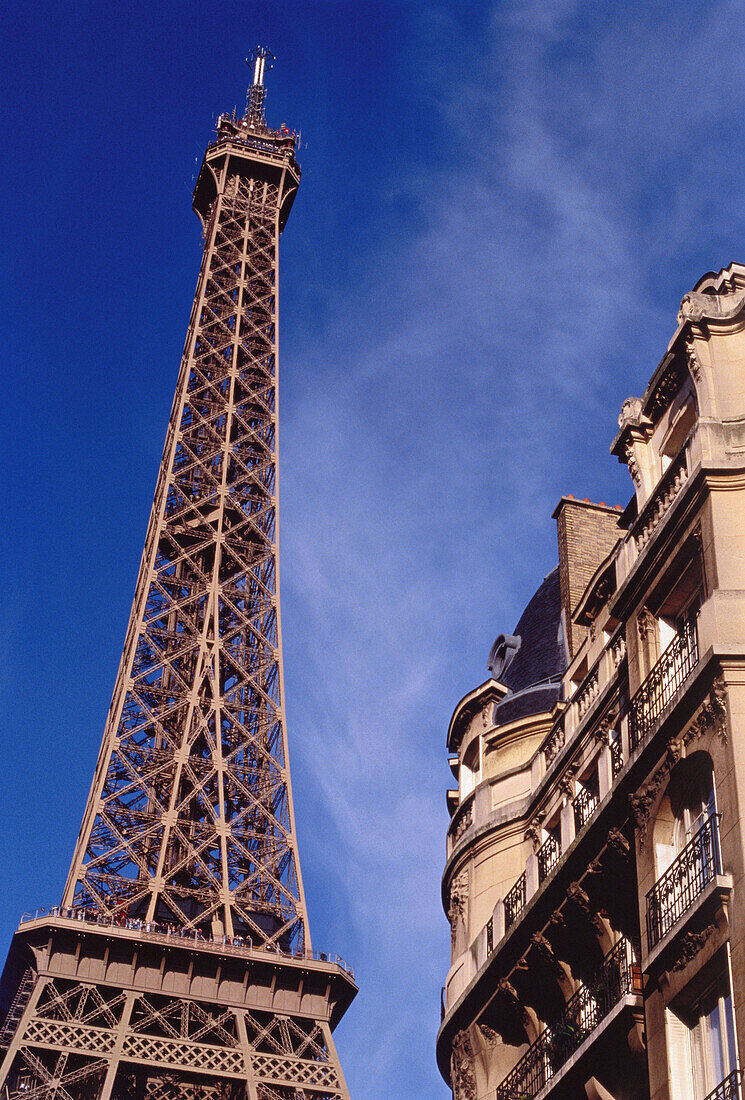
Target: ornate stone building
x=594, y=877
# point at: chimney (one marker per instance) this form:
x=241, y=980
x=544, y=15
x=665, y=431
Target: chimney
x=587, y=533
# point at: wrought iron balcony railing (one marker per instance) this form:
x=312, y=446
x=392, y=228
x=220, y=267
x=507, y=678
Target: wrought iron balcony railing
x=514, y=901
x=618, y=977
x=685, y=880
x=585, y=804
x=728, y=1089
x=547, y=856
x=663, y=683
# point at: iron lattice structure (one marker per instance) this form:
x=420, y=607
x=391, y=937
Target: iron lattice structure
x=178, y=966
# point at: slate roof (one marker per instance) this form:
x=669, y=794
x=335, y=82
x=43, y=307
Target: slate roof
x=541, y=657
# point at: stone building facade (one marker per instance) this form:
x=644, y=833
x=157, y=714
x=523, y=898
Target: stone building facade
x=594, y=877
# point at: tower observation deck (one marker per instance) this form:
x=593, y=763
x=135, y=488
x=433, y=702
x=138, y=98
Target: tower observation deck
x=178, y=965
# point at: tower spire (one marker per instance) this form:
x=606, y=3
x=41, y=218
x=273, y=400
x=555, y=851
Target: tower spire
x=179, y=965
x=262, y=60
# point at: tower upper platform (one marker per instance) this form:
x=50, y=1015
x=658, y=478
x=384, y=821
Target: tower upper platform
x=249, y=147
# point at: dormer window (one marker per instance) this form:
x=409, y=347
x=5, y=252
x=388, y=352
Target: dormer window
x=502, y=654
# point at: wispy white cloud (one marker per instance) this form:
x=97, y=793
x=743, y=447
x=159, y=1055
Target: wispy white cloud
x=422, y=464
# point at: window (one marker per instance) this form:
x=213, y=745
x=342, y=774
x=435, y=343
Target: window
x=702, y=1042
x=689, y=805
x=470, y=768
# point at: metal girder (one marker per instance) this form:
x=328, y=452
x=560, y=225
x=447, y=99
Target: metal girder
x=188, y=836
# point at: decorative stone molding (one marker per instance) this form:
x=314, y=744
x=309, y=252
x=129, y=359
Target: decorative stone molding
x=507, y=989
x=462, y=1074
x=458, y=907
x=711, y=717
x=618, y=650
x=576, y=894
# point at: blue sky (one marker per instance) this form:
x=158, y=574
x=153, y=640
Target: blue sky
x=502, y=205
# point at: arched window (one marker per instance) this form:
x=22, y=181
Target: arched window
x=689, y=806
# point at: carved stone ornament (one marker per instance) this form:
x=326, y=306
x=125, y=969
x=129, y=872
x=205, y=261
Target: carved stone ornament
x=458, y=907
x=565, y=785
x=633, y=465
x=554, y=745
x=506, y=987
x=576, y=894
x=631, y=411
x=694, y=364
x=726, y=302
x=667, y=388
x=533, y=833
x=645, y=623
x=465, y=822
x=618, y=843
x=689, y=945
x=711, y=717
x=543, y=947
x=602, y=733
x=462, y=1074
x=694, y=306
x=490, y=1037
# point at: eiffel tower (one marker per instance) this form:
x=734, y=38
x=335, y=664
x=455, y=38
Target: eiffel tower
x=178, y=965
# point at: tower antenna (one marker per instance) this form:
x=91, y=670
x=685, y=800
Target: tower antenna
x=262, y=60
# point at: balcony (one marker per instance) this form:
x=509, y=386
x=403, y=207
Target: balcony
x=514, y=901
x=670, y=484
x=728, y=1089
x=547, y=856
x=619, y=976
x=684, y=881
x=663, y=684
x=584, y=805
